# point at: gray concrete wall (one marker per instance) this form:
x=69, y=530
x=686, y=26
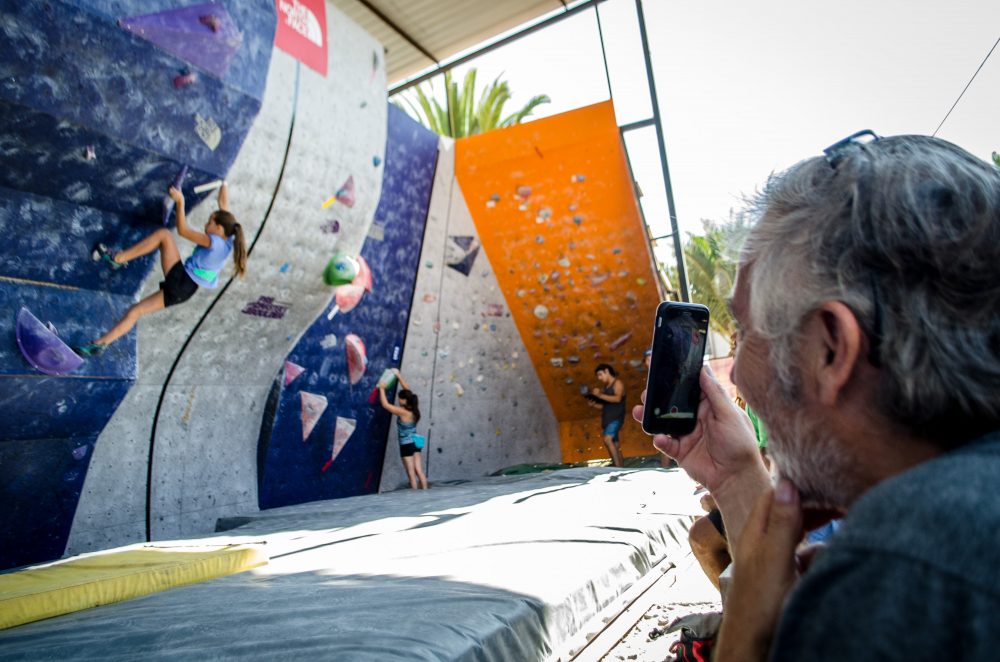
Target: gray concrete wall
x=483, y=407
x=211, y=391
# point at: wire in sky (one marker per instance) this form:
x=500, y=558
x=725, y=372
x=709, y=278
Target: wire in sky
x=965, y=88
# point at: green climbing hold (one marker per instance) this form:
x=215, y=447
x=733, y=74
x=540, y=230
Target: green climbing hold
x=341, y=270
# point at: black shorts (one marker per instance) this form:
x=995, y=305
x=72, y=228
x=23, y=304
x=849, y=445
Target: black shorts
x=407, y=450
x=715, y=517
x=177, y=286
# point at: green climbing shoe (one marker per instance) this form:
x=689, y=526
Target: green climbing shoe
x=91, y=350
x=102, y=253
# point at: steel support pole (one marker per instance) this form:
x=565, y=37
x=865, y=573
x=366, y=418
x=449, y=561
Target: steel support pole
x=678, y=251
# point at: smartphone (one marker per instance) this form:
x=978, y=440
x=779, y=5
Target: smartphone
x=673, y=390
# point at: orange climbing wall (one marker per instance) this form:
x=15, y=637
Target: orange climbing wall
x=556, y=212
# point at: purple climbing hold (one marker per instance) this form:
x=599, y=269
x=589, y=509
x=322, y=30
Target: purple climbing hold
x=79, y=452
x=168, y=202
x=330, y=227
x=204, y=35
x=42, y=347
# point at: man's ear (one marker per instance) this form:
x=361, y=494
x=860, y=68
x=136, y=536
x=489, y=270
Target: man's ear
x=837, y=344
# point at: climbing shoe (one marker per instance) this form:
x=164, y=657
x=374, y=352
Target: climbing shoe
x=91, y=350
x=101, y=253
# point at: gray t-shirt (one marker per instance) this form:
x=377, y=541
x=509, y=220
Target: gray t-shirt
x=914, y=572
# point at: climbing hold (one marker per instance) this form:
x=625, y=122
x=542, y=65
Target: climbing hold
x=429, y=264
x=182, y=32
x=539, y=239
x=459, y=391
x=619, y=341
x=573, y=207
x=348, y=297
x=357, y=361
x=541, y=312
x=168, y=202
x=376, y=161
x=313, y=406
x=342, y=269
x=292, y=370
x=90, y=153
x=345, y=194
x=578, y=219
x=284, y=268
x=364, y=277
x=616, y=250
x=429, y=298
x=342, y=431
x=328, y=341
x=42, y=347
x=640, y=281
x=208, y=131
x=79, y=452
x=563, y=262
x=523, y=192
x=556, y=362
x=184, y=79
x=577, y=178
x=330, y=227
x=209, y=186
x=493, y=310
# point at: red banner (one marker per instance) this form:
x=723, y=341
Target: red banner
x=302, y=31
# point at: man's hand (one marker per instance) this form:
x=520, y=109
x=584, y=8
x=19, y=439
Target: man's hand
x=595, y=392
x=176, y=195
x=722, y=444
x=764, y=571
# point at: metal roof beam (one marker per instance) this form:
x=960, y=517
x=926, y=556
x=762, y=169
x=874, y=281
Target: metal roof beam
x=400, y=31
x=441, y=68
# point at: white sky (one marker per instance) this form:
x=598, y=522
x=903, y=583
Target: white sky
x=750, y=87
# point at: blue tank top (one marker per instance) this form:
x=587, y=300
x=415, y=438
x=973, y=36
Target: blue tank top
x=205, y=263
x=406, y=431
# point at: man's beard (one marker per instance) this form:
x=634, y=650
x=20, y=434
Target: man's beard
x=806, y=453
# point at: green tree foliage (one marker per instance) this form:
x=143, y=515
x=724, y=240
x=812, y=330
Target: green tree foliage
x=461, y=115
x=711, y=259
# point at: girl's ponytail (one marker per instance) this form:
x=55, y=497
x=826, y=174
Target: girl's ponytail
x=233, y=229
x=239, y=251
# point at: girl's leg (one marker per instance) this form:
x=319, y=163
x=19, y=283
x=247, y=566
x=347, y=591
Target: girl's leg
x=418, y=465
x=410, y=473
x=148, y=305
x=162, y=240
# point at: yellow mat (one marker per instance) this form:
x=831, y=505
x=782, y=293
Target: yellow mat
x=99, y=579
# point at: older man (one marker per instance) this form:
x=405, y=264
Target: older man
x=868, y=298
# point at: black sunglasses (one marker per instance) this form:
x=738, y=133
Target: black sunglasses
x=834, y=154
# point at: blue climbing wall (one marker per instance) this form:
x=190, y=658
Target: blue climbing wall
x=92, y=130
x=291, y=468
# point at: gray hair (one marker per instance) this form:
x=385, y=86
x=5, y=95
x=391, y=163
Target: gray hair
x=906, y=232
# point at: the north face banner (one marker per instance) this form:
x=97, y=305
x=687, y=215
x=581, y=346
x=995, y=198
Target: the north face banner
x=302, y=31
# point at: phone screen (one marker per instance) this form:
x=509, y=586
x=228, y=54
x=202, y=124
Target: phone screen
x=672, y=387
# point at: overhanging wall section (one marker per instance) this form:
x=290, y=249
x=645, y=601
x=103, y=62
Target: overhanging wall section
x=206, y=367
x=555, y=207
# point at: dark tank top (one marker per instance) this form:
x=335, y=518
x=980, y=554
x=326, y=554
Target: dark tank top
x=613, y=411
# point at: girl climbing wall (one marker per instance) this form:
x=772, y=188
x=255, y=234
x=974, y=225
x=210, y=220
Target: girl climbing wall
x=222, y=236
x=408, y=412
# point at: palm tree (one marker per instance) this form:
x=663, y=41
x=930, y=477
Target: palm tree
x=711, y=268
x=461, y=116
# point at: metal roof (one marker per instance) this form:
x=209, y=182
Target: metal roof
x=418, y=34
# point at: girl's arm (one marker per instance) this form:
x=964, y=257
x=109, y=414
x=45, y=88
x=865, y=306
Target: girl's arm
x=402, y=382
x=183, y=230
x=224, y=196
x=392, y=409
